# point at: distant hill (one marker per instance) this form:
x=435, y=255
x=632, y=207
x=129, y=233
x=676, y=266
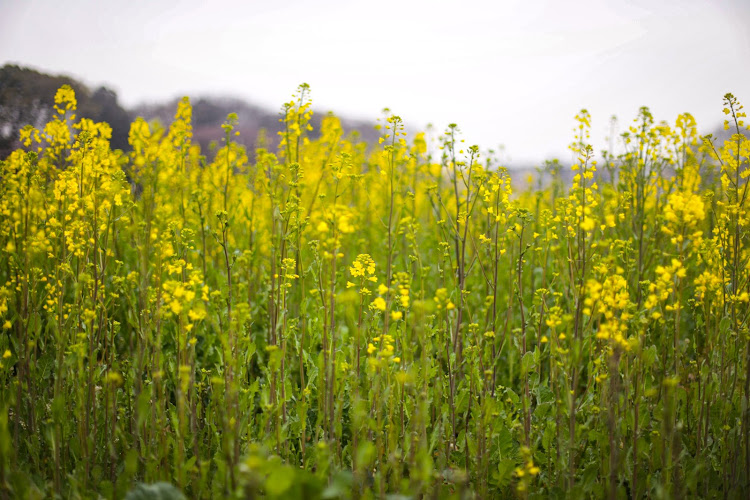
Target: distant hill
x=210, y=112
x=27, y=97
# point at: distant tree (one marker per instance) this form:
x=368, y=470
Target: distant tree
x=27, y=97
x=103, y=107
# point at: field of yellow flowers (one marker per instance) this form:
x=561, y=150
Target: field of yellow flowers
x=338, y=319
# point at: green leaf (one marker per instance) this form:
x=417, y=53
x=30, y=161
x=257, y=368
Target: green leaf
x=514, y=399
x=279, y=481
x=527, y=362
x=504, y=441
x=340, y=487
x=649, y=355
x=504, y=472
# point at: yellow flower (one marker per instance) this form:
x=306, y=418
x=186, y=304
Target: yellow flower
x=114, y=378
x=363, y=265
x=7, y=354
x=379, y=303
x=396, y=315
x=587, y=224
x=175, y=306
x=196, y=314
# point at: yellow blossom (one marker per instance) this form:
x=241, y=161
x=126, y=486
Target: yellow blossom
x=379, y=303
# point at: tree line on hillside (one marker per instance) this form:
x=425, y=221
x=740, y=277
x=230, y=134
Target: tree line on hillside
x=27, y=97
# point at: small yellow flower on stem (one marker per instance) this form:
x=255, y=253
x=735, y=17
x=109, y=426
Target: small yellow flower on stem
x=379, y=303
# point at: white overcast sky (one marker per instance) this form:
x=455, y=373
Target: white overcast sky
x=511, y=73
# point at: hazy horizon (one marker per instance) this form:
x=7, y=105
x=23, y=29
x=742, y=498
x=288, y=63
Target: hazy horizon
x=508, y=73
